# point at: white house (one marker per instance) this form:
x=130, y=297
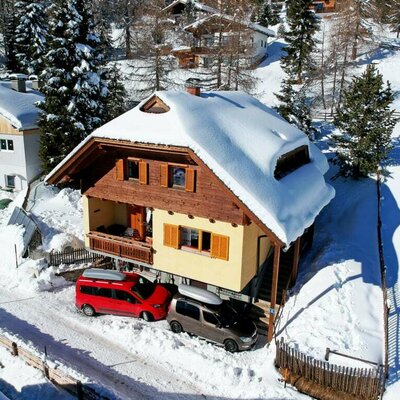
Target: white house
x=19, y=133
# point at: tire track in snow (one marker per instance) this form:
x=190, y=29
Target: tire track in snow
x=101, y=360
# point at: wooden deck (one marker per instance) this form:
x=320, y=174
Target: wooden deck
x=121, y=247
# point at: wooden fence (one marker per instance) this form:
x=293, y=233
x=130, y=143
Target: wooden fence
x=74, y=386
x=73, y=256
x=329, y=116
x=323, y=380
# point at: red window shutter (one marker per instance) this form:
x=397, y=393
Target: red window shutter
x=190, y=180
x=120, y=169
x=164, y=175
x=171, y=236
x=143, y=172
x=220, y=246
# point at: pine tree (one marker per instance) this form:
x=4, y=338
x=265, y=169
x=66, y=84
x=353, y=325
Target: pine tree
x=116, y=101
x=366, y=122
x=74, y=89
x=302, y=25
x=394, y=15
x=9, y=42
x=268, y=14
x=294, y=106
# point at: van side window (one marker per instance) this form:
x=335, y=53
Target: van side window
x=87, y=289
x=189, y=310
x=125, y=296
x=104, y=292
x=210, y=318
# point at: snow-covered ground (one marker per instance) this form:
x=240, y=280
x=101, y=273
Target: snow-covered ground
x=336, y=303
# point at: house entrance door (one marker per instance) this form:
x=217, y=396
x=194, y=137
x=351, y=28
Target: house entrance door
x=137, y=221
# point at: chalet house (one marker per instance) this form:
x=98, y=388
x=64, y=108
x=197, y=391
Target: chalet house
x=211, y=189
x=19, y=133
x=213, y=31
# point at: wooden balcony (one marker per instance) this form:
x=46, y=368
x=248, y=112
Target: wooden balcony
x=121, y=247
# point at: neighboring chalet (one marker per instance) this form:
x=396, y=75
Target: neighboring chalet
x=19, y=133
x=217, y=31
x=211, y=189
x=213, y=31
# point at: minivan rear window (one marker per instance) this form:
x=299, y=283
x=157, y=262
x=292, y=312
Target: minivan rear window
x=189, y=310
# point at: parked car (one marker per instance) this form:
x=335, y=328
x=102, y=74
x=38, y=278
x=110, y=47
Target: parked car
x=129, y=294
x=200, y=312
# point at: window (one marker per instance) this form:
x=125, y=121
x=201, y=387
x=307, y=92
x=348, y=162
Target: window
x=188, y=310
x=203, y=242
x=177, y=177
x=87, y=290
x=103, y=292
x=210, y=318
x=190, y=237
x=133, y=169
x=6, y=145
x=262, y=43
x=289, y=162
x=10, y=181
x=129, y=169
x=124, y=296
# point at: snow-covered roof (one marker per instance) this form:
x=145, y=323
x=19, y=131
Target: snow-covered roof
x=250, y=25
x=18, y=107
x=198, y=6
x=240, y=140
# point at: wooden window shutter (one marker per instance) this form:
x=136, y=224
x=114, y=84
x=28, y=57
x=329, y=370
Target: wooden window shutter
x=143, y=173
x=171, y=236
x=190, y=180
x=164, y=175
x=120, y=168
x=219, y=246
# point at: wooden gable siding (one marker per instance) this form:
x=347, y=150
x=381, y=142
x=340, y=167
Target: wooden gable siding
x=208, y=199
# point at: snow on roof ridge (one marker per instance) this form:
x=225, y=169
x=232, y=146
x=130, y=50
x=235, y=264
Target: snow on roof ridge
x=240, y=140
x=197, y=4
x=251, y=25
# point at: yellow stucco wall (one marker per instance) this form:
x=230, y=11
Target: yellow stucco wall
x=249, y=260
x=226, y=274
x=98, y=212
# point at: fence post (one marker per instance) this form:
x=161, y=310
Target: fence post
x=79, y=390
x=14, y=349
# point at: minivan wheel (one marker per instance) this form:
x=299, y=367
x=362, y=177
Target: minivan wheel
x=88, y=310
x=176, y=327
x=147, y=316
x=230, y=345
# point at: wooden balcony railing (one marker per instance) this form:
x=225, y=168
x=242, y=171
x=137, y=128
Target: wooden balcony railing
x=121, y=247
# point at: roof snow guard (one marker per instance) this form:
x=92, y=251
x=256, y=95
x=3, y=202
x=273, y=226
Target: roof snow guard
x=240, y=140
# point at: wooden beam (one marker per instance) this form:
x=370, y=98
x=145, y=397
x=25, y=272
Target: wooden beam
x=274, y=291
x=296, y=257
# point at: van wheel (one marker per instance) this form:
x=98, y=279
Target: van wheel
x=147, y=316
x=88, y=310
x=230, y=345
x=176, y=327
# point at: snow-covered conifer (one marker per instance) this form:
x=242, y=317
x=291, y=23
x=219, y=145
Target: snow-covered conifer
x=31, y=35
x=74, y=88
x=116, y=101
x=366, y=122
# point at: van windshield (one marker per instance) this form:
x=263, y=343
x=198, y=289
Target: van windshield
x=143, y=288
x=226, y=314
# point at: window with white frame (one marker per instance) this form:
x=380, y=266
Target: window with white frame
x=6, y=145
x=10, y=181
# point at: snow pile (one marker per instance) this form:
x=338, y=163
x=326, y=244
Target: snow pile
x=241, y=140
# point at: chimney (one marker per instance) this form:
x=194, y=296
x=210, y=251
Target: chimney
x=193, y=86
x=18, y=82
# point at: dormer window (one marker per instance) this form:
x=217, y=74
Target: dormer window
x=154, y=106
x=291, y=161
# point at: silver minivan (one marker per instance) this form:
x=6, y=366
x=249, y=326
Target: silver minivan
x=220, y=324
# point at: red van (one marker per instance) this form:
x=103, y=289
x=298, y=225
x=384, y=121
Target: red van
x=111, y=292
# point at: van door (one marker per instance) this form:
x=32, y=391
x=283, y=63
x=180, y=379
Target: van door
x=126, y=303
x=211, y=327
x=104, y=301
x=189, y=317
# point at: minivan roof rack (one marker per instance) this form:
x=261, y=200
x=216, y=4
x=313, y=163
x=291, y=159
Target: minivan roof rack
x=199, y=294
x=106, y=274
